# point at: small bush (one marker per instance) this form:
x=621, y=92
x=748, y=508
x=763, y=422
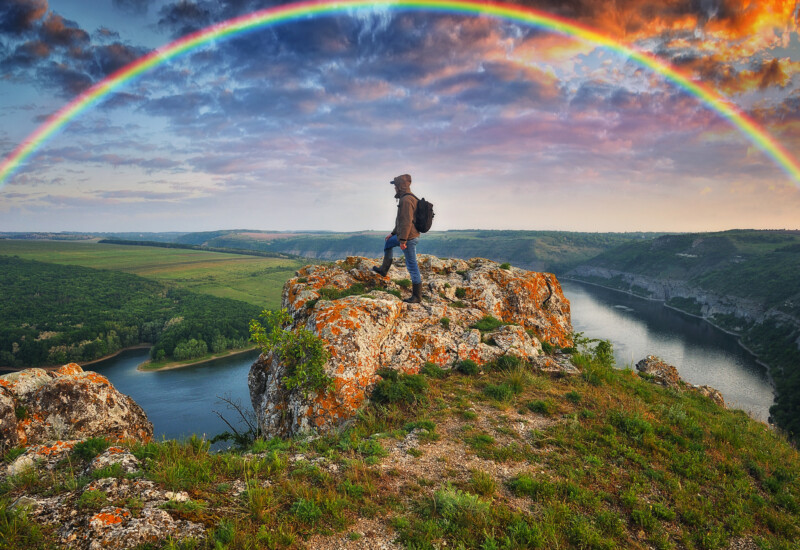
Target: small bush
x=505, y=265
x=506, y=363
x=487, y=324
x=302, y=352
x=90, y=448
x=306, y=511
x=547, y=347
x=21, y=412
x=459, y=304
x=92, y=500
x=13, y=453
x=399, y=388
x=466, y=366
x=445, y=322
x=432, y=370
x=540, y=407
x=500, y=392
x=461, y=292
x=403, y=283
x=573, y=397
x=483, y=483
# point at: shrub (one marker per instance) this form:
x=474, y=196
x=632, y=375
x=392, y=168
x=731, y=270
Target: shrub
x=461, y=292
x=573, y=397
x=306, y=511
x=500, y=392
x=301, y=351
x=445, y=322
x=487, y=324
x=540, y=407
x=506, y=362
x=547, y=347
x=399, y=388
x=466, y=366
x=505, y=265
x=433, y=370
x=90, y=448
x=403, y=283
x=92, y=500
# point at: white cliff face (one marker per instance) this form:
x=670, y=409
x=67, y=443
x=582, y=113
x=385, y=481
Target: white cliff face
x=710, y=303
x=377, y=330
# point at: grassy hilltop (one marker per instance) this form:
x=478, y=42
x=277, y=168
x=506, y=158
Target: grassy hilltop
x=507, y=458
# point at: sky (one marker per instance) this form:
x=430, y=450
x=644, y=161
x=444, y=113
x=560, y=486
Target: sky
x=301, y=126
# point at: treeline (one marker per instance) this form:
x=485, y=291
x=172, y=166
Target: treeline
x=197, y=247
x=52, y=314
x=776, y=345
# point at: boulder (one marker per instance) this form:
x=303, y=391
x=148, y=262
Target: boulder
x=39, y=406
x=662, y=373
x=376, y=329
x=667, y=375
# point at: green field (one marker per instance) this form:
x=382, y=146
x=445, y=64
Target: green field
x=252, y=279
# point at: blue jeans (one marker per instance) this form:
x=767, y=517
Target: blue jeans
x=411, y=256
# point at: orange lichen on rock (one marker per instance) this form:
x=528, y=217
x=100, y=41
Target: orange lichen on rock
x=364, y=333
x=66, y=370
x=111, y=518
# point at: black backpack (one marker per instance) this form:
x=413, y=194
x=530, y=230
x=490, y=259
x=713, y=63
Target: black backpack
x=423, y=215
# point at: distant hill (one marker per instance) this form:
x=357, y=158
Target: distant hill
x=745, y=281
x=554, y=251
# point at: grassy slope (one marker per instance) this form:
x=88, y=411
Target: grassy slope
x=509, y=459
x=251, y=279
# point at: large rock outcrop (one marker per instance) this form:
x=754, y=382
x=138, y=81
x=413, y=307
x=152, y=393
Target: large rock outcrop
x=38, y=406
x=376, y=329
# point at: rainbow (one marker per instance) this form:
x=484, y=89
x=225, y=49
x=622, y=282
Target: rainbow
x=303, y=10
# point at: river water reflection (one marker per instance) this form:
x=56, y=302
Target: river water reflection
x=702, y=353
x=182, y=401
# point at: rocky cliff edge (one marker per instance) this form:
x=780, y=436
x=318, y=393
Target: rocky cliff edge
x=374, y=328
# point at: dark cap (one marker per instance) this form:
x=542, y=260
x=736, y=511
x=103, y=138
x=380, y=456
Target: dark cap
x=401, y=179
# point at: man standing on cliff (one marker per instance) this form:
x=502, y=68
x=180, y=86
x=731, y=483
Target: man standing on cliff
x=404, y=235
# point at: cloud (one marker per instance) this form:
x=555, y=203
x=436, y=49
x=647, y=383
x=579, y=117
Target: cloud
x=19, y=16
x=57, y=31
x=136, y=7
x=185, y=17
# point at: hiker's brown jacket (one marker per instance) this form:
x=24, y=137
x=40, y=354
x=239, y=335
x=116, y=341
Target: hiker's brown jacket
x=404, y=224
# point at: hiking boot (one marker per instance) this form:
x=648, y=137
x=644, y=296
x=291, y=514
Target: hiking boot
x=387, y=263
x=416, y=294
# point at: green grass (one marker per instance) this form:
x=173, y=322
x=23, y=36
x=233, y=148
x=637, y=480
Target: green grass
x=616, y=462
x=252, y=279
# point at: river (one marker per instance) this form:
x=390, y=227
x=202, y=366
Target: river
x=182, y=401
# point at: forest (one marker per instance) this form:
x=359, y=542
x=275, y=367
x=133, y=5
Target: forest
x=53, y=314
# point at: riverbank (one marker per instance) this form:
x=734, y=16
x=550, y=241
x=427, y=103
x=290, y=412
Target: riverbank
x=705, y=319
x=149, y=366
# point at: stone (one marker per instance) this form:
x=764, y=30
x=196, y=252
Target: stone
x=111, y=456
x=711, y=393
x=38, y=406
x=364, y=333
x=662, y=373
x=668, y=376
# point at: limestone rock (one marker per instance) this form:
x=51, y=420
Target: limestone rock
x=668, y=376
x=713, y=394
x=663, y=373
x=366, y=332
x=38, y=406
